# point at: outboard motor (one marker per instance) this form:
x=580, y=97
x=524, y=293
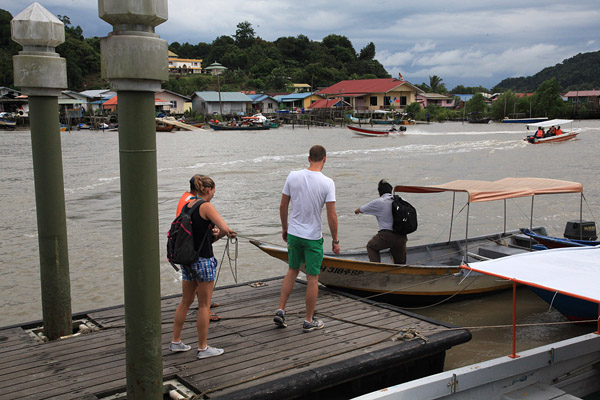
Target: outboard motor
x=581, y=230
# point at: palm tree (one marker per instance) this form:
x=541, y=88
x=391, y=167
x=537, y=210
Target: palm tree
x=435, y=84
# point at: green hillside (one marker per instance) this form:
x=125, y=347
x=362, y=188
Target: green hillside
x=580, y=72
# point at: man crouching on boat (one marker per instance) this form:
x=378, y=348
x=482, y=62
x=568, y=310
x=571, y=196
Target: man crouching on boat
x=385, y=238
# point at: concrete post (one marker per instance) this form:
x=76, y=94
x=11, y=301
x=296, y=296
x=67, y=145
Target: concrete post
x=42, y=74
x=134, y=61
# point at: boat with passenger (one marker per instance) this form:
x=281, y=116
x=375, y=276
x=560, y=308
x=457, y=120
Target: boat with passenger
x=554, y=133
x=432, y=272
x=376, y=132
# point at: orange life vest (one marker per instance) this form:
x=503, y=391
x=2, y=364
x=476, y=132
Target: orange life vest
x=558, y=132
x=185, y=198
x=539, y=133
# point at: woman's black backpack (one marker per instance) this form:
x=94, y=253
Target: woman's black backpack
x=180, y=239
x=405, y=216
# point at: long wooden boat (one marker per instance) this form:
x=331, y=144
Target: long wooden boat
x=374, y=132
x=433, y=270
x=164, y=127
x=249, y=127
x=567, y=134
x=521, y=119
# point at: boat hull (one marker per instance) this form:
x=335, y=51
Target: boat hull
x=165, y=128
x=373, y=132
x=552, y=139
x=554, y=242
x=558, y=370
x=240, y=128
x=432, y=271
x=571, y=307
x=9, y=125
x=523, y=120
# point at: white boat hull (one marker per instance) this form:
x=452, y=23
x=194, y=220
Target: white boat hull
x=559, y=369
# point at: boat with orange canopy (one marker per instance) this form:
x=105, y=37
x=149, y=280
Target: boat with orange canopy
x=432, y=272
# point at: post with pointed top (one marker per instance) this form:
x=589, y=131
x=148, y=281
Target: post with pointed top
x=42, y=74
x=135, y=62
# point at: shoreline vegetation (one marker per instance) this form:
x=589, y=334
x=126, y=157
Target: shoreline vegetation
x=254, y=64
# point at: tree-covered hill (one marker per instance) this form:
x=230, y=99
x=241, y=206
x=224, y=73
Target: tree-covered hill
x=252, y=62
x=576, y=73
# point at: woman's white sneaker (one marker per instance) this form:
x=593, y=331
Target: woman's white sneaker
x=209, y=352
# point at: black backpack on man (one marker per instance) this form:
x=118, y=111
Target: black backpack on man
x=405, y=216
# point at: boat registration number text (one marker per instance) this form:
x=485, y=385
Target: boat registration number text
x=342, y=271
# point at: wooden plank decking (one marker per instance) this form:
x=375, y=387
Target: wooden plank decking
x=260, y=360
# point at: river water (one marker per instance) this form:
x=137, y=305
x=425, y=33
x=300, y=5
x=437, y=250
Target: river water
x=249, y=169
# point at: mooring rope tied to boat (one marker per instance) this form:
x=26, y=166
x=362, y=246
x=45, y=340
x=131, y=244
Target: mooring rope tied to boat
x=234, y=241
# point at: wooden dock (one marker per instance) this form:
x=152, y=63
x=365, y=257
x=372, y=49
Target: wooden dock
x=363, y=347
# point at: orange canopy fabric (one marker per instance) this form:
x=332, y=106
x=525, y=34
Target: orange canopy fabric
x=507, y=188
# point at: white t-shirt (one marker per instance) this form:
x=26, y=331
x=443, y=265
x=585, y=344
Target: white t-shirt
x=381, y=208
x=309, y=191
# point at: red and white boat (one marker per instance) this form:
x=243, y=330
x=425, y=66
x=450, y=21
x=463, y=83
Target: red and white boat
x=567, y=134
x=375, y=132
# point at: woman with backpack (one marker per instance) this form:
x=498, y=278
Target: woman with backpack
x=208, y=226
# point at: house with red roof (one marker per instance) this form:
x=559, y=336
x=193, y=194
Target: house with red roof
x=373, y=94
x=583, y=97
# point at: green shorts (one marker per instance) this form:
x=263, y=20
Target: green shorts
x=306, y=251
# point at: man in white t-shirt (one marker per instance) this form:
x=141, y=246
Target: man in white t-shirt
x=385, y=238
x=308, y=190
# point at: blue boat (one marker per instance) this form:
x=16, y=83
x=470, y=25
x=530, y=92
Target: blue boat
x=520, y=118
x=551, y=242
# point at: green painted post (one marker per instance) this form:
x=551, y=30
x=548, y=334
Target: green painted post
x=134, y=61
x=42, y=74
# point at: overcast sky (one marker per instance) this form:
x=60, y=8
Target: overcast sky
x=465, y=42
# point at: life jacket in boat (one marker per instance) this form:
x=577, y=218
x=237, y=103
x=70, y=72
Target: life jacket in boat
x=539, y=133
x=558, y=132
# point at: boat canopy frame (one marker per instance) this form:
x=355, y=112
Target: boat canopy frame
x=503, y=189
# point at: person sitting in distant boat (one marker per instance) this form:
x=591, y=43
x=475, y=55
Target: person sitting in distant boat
x=558, y=131
x=551, y=132
x=539, y=133
x=393, y=128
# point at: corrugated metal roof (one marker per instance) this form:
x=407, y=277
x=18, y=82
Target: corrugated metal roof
x=230, y=97
x=434, y=96
x=325, y=103
x=293, y=96
x=355, y=87
x=582, y=93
